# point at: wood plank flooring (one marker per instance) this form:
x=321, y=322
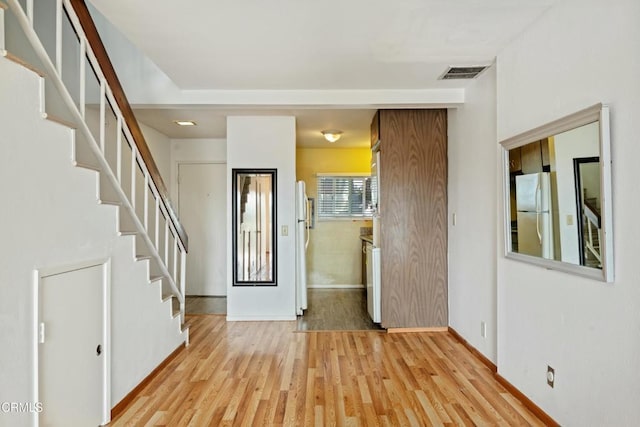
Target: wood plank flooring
x=266, y=373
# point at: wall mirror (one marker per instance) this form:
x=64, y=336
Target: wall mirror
x=254, y=227
x=557, y=187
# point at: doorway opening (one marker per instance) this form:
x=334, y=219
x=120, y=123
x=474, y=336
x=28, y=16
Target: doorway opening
x=202, y=206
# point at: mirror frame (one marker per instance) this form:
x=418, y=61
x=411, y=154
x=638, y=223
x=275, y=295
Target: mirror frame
x=597, y=113
x=274, y=224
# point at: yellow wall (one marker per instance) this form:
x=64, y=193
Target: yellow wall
x=334, y=253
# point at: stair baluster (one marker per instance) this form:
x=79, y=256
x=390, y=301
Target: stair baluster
x=105, y=149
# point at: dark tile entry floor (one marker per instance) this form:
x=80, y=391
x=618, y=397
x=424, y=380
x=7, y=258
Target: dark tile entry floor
x=336, y=309
x=328, y=310
x=206, y=305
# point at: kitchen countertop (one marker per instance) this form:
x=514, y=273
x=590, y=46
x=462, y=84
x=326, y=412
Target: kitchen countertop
x=367, y=238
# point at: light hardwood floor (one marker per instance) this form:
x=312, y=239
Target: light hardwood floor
x=266, y=373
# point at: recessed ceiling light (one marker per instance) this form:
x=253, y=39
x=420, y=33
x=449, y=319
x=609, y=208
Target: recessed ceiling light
x=185, y=122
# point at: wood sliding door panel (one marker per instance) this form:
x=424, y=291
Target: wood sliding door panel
x=414, y=218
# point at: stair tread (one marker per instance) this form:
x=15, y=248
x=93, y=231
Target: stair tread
x=88, y=160
x=58, y=120
x=175, y=307
x=86, y=166
x=13, y=58
x=186, y=326
x=109, y=202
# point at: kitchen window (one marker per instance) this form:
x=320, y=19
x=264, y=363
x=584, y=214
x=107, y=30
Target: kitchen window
x=345, y=196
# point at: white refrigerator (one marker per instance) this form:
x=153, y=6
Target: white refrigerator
x=373, y=250
x=303, y=222
x=533, y=205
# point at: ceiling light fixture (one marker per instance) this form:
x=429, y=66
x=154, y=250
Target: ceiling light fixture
x=185, y=122
x=331, y=135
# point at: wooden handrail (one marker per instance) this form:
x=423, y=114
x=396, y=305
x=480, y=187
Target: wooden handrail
x=111, y=77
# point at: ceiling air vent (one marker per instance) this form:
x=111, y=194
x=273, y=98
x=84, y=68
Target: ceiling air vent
x=463, y=72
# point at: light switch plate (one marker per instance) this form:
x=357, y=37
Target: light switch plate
x=569, y=219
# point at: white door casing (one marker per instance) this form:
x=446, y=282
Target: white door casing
x=73, y=340
x=202, y=206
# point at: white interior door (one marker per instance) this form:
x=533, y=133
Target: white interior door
x=202, y=194
x=72, y=359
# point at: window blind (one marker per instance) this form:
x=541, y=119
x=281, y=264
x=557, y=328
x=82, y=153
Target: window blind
x=345, y=196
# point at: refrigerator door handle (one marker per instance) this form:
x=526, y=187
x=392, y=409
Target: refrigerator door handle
x=538, y=196
x=307, y=224
x=538, y=210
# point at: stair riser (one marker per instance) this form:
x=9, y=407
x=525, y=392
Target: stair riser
x=82, y=154
x=56, y=102
x=70, y=226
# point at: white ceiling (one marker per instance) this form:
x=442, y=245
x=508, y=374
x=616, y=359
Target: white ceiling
x=212, y=123
x=314, y=45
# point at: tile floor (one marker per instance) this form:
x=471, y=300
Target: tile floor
x=336, y=309
x=328, y=310
x=206, y=305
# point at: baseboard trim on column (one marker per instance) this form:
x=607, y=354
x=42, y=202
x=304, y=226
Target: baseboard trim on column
x=528, y=403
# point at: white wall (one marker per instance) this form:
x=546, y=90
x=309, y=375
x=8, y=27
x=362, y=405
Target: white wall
x=207, y=262
x=265, y=142
x=194, y=150
x=579, y=53
x=472, y=197
x=141, y=78
x=160, y=146
x=51, y=218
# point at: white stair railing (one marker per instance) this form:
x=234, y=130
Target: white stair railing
x=2, y=6
x=154, y=220
x=592, y=219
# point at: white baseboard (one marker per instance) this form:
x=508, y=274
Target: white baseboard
x=335, y=286
x=261, y=318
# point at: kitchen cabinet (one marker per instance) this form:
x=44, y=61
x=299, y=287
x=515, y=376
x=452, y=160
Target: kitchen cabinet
x=530, y=158
x=515, y=160
x=413, y=220
x=375, y=129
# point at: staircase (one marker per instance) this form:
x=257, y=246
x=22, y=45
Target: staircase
x=99, y=184
x=592, y=224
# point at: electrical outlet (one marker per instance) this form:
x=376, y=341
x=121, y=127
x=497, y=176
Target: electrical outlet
x=454, y=219
x=551, y=376
x=483, y=329
x=285, y=230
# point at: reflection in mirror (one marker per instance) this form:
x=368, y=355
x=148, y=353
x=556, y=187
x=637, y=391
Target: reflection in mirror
x=587, y=181
x=254, y=225
x=559, y=196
